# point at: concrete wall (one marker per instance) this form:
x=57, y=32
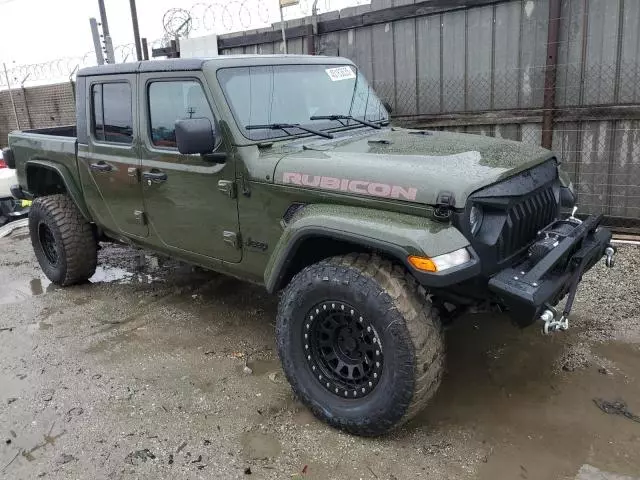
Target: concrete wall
x=37, y=107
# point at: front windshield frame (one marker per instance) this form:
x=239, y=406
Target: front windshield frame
x=323, y=125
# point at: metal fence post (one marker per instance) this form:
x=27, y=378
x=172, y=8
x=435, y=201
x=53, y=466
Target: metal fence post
x=26, y=102
x=73, y=84
x=13, y=103
x=549, y=101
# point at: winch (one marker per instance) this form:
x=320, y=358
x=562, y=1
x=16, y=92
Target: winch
x=550, y=236
x=548, y=239
x=552, y=269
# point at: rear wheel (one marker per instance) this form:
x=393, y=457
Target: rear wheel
x=62, y=240
x=359, y=343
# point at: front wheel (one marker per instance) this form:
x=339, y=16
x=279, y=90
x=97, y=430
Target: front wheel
x=62, y=240
x=360, y=345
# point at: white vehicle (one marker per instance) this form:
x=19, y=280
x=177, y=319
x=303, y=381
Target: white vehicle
x=10, y=208
x=7, y=178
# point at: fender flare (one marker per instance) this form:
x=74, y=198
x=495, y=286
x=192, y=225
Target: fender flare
x=395, y=234
x=74, y=192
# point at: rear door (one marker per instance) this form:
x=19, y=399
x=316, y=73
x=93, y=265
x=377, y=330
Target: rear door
x=109, y=164
x=189, y=200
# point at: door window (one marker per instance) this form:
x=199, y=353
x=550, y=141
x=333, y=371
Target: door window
x=171, y=101
x=112, y=113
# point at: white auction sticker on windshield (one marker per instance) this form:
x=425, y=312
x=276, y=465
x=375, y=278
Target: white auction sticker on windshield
x=340, y=73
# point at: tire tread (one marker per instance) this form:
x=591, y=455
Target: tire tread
x=402, y=292
x=77, y=239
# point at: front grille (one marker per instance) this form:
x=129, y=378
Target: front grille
x=525, y=219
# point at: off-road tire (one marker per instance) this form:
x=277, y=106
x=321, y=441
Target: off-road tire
x=75, y=245
x=410, y=334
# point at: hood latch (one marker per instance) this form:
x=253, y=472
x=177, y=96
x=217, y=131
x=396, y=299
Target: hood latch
x=444, y=204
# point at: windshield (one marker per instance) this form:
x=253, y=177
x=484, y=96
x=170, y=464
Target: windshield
x=292, y=94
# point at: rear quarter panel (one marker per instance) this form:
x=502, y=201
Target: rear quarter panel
x=49, y=151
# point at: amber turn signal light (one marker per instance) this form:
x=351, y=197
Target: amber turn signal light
x=422, y=263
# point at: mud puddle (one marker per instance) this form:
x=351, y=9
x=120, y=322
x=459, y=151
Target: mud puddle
x=21, y=289
x=116, y=264
x=15, y=291
x=536, y=421
x=111, y=274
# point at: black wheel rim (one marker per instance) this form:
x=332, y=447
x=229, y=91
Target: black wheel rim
x=343, y=349
x=48, y=243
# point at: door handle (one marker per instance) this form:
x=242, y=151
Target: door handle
x=154, y=177
x=100, y=167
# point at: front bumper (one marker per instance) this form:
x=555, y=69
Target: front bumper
x=536, y=284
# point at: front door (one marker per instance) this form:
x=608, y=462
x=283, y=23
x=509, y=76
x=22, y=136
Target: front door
x=188, y=204
x=109, y=163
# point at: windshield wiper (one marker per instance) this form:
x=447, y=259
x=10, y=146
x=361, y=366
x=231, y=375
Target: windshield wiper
x=285, y=126
x=346, y=117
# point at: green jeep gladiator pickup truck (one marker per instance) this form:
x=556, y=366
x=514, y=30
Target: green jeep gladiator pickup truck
x=285, y=171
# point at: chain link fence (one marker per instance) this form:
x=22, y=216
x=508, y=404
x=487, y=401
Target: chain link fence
x=451, y=75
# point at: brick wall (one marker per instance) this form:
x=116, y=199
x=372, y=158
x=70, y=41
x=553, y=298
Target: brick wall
x=38, y=107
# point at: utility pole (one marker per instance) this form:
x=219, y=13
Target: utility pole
x=285, y=3
x=136, y=31
x=97, y=45
x=108, y=44
x=284, y=35
x=145, y=49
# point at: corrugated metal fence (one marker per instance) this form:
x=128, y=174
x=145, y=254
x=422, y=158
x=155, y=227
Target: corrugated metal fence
x=561, y=73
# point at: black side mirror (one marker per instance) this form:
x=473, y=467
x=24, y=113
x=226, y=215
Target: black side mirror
x=195, y=135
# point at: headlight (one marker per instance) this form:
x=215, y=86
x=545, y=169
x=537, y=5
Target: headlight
x=441, y=262
x=475, y=218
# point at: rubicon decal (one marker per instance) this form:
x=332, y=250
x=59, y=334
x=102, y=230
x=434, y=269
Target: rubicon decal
x=361, y=187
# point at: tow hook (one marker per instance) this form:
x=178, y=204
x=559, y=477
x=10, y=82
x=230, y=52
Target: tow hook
x=610, y=253
x=551, y=325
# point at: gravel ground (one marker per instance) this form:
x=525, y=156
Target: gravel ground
x=158, y=370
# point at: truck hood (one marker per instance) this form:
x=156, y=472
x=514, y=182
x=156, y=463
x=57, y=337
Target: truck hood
x=406, y=165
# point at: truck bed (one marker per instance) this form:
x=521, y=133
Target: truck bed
x=62, y=131
x=55, y=147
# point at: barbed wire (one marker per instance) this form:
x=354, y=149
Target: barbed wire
x=235, y=15
x=218, y=16
x=61, y=69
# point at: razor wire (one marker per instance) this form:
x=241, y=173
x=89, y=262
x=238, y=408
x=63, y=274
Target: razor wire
x=218, y=16
x=59, y=69
x=236, y=15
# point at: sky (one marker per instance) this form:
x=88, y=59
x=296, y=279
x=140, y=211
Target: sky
x=34, y=31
